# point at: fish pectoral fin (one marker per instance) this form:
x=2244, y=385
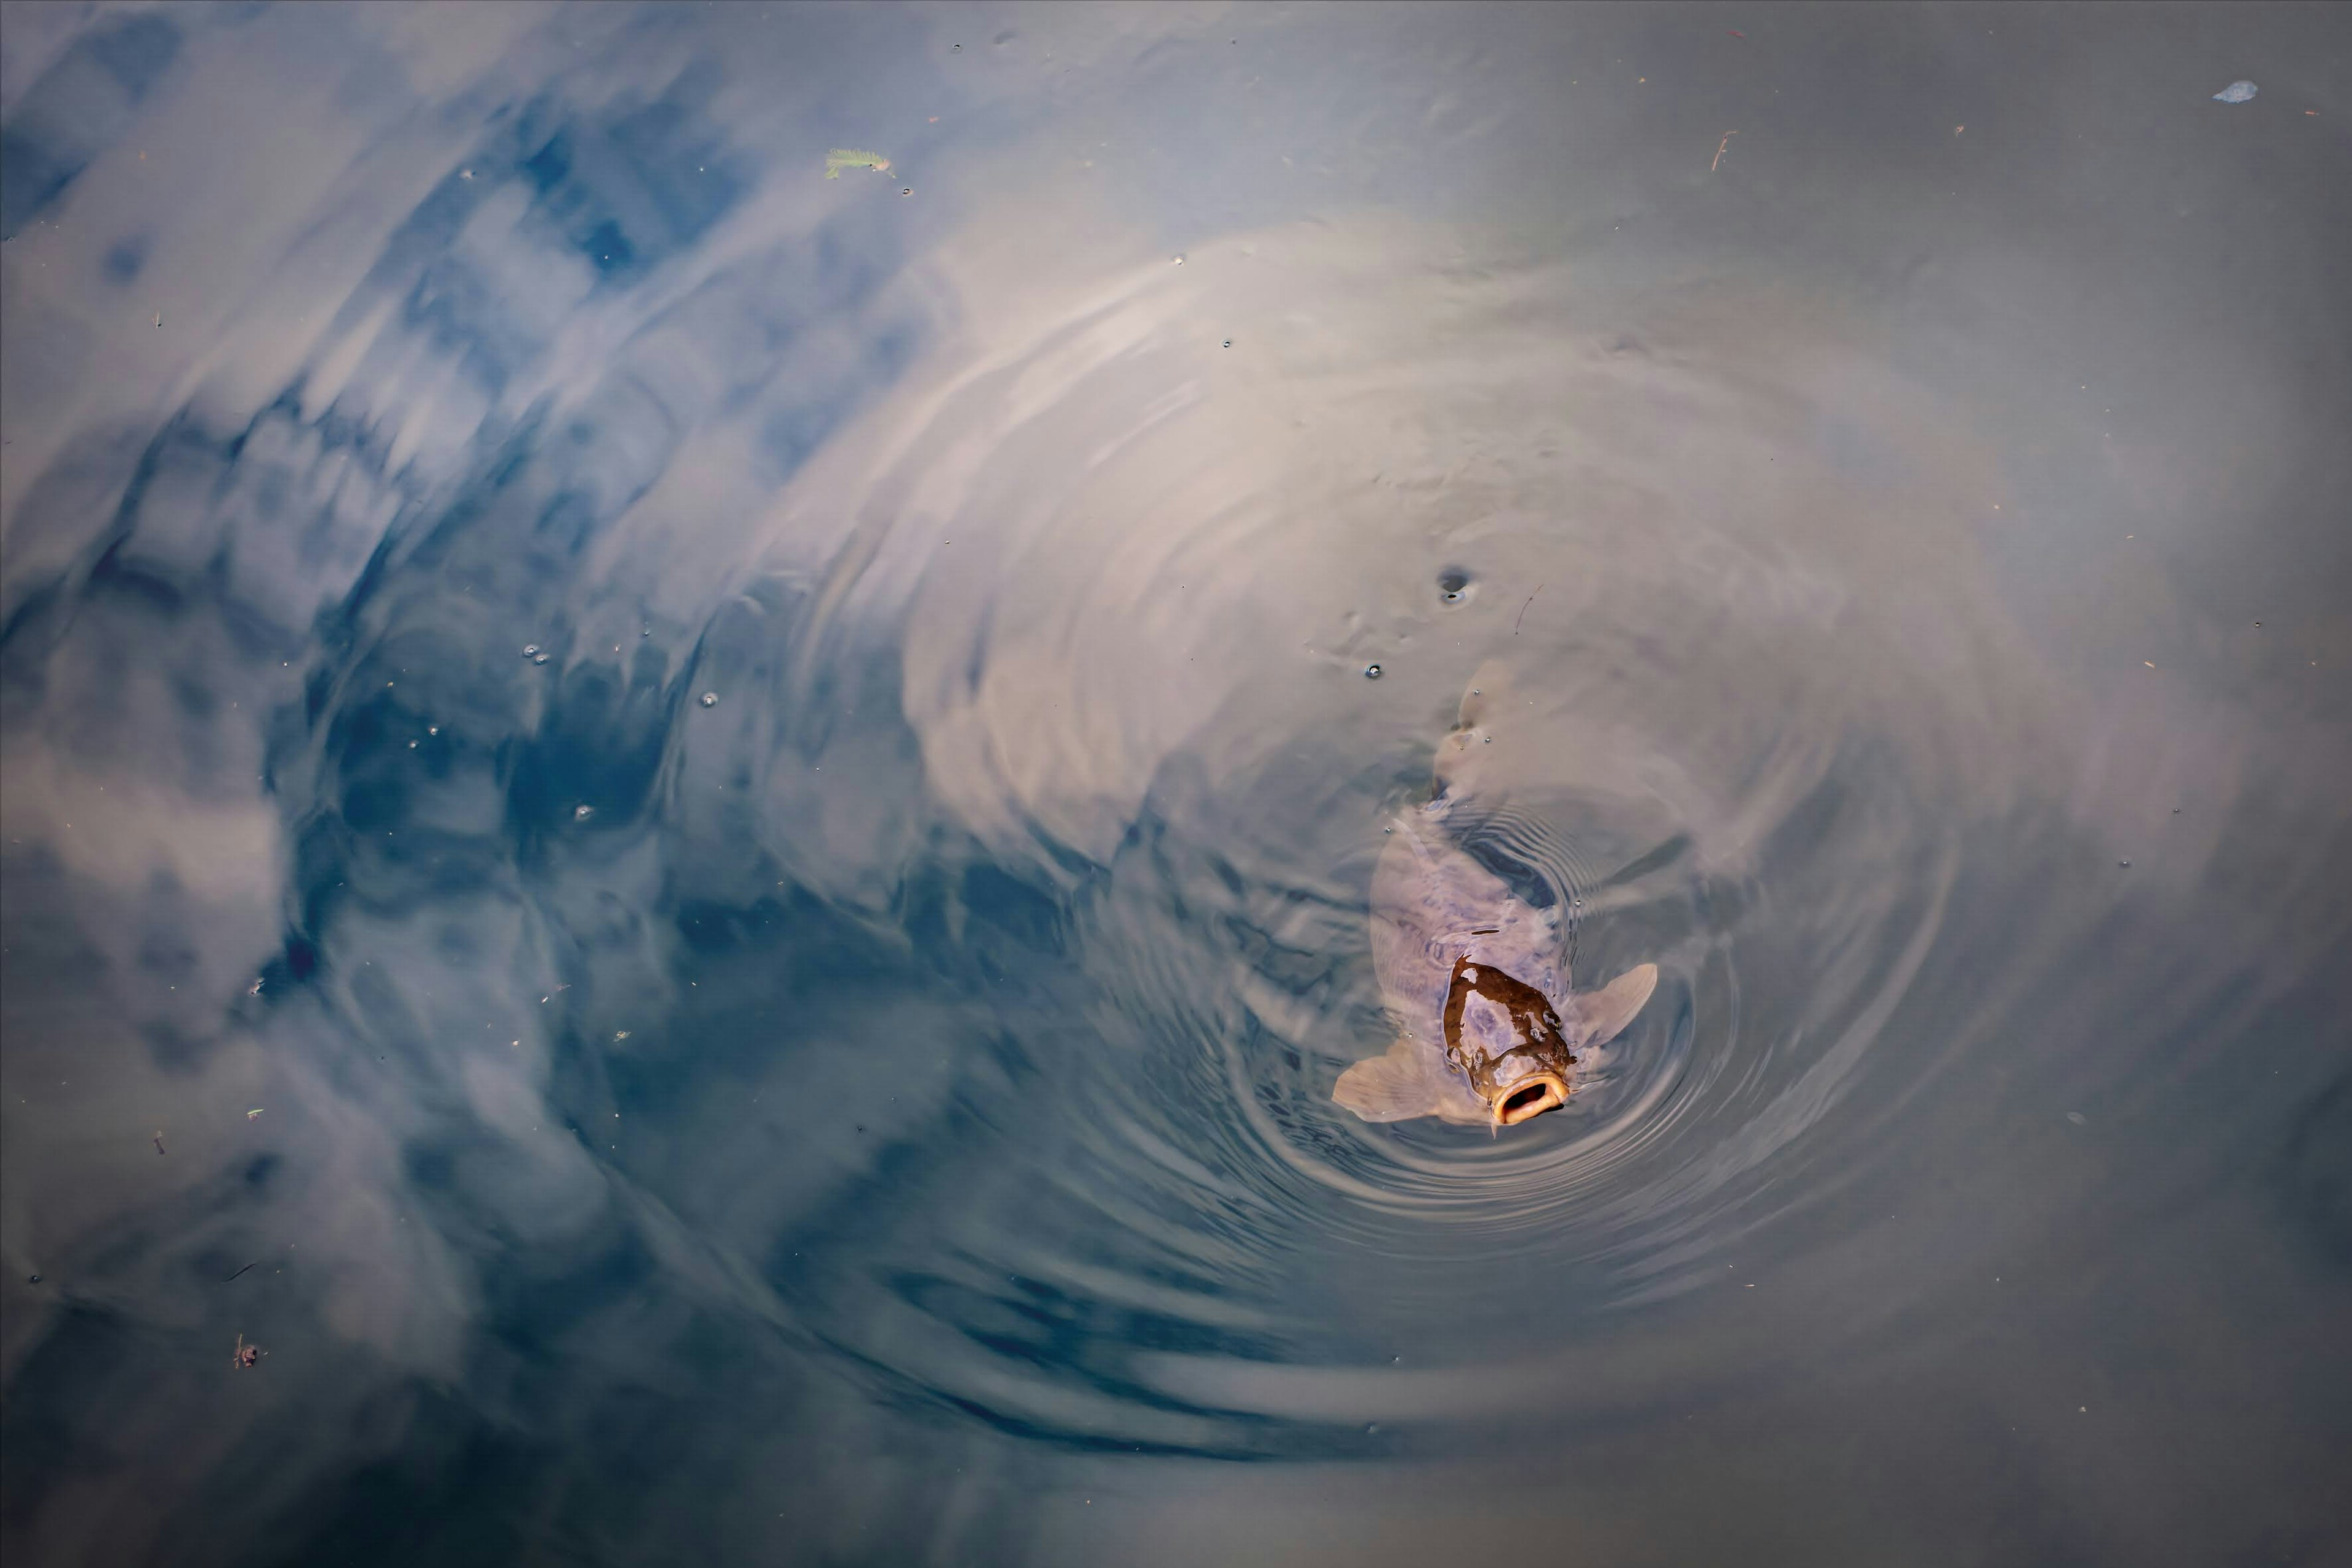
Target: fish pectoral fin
x=1603, y=1013
x=1406, y=1082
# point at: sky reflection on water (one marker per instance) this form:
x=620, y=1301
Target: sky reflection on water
x=697, y=837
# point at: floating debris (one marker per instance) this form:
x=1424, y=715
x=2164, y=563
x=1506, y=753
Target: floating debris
x=159, y=1140
x=582, y=813
x=711, y=699
x=2236, y=92
x=234, y=1278
x=1372, y=672
x=842, y=158
x=245, y=1355
x=2075, y=1117
x=530, y=650
x=254, y=1114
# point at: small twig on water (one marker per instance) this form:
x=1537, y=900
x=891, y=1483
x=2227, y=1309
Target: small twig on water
x=1523, y=610
x=159, y=1140
x=1719, y=148
x=239, y=1271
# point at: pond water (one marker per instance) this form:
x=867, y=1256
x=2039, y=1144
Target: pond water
x=691, y=787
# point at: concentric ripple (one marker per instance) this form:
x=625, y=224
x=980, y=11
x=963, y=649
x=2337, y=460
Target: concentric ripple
x=1130, y=580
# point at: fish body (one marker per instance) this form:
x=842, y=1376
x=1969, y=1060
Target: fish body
x=1474, y=977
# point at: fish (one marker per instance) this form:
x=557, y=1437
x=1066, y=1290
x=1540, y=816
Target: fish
x=1474, y=979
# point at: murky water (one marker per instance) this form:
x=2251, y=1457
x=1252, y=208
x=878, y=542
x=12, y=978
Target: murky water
x=696, y=838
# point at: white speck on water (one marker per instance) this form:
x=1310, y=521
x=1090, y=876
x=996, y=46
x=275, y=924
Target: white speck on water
x=2236, y=92
x=2075, y=1117
x=711, y=699
x=530, y=650
x=582, y=813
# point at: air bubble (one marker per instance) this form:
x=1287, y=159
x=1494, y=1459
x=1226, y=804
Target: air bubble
x=711, y=699
x=530, y=650
x=1372, y=672
x=582, y=813
x=538, y=658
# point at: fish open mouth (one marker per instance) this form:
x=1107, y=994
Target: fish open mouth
x=1529, y=1097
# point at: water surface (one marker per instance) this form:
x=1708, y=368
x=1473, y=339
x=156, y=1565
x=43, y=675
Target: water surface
x=699, y=836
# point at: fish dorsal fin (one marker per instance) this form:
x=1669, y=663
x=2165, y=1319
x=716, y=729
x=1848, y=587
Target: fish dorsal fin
x=1487, y=691
x=1602, y=1014
x=1408, y=1082
x=1467, y=761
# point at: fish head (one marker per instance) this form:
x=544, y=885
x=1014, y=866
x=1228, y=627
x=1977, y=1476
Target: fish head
x=1509, y=1040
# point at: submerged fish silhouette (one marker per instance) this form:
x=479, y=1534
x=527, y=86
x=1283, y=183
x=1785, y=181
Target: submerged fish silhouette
x=1473, y=976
